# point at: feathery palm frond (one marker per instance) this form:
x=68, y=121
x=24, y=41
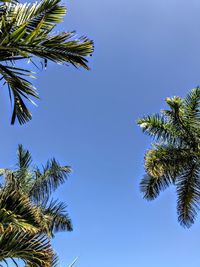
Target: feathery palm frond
x=28, y=221
x=157, y=127
x=34, y=250
x=26, y=32
x=175, y=156
x=18, y=212
x=188, y=191
x=56, y=217
x=48, y=180
x=34, y=187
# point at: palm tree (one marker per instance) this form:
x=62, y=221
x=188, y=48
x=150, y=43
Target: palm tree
x=28, y=217
x=21, y=236
x=25, y=34
x=38, y=185
x=174, y=158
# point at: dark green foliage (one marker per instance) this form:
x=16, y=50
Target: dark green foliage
x=26, y=33
x=174, y=158
x=33, y=249
x=27, y=213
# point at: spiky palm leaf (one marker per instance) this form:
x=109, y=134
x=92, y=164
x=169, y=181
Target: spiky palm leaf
x=28, y=220
x=25, y=33
x=56, y=217
x=16, y=211
x=174, y=159
x=23, y=231
x=33, y=249
x=37, y=185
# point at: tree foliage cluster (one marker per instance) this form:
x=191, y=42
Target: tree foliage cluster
x=29, y=217
x=174, y=158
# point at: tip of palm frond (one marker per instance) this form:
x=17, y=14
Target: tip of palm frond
x=23, y=115
x=186, y=220
x=149, y=191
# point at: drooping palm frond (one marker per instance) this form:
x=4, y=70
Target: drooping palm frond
x=188, y=191
x=33, y=250
x=175, y=157
x=26, y=32
x=56, y=217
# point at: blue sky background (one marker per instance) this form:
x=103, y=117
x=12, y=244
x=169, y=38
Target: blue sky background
x=145, y=50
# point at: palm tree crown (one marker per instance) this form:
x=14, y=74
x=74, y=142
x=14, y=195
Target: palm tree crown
x=26, y=33
x=37, y=185
x=29, y=218
x=174, y=158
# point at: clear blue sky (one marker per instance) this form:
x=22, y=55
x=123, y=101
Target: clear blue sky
x=145, y=50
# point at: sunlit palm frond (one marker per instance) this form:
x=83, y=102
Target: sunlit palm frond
x=16, y=211
x=34, y=250
x=49, y=12
x=25, y=33
x=159, y=128
x=167, y=160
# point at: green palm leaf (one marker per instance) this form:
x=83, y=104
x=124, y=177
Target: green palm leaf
x=34, y=250
x=174, y=158
x=28, y=220
x=56, y=216
x=33, y=187
x=26, y=33
x=48, y=180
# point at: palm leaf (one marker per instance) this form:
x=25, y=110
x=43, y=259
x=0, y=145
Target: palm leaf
x=34, y=250
x=25, y=32
x=188, y=191
x=48, y=180
x=57, y=218
x=17, y=211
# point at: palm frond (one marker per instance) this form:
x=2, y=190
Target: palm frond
x=188, y=191
x=50, y=12
x=152, y=186
x=57, y=217
x=158, y=128
x=18, y=88
x=192, y=109
x=24, y=158
x=167, y=160
x=17, y=211
x=48, y=180
x=25, y=32
x=34, y=250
